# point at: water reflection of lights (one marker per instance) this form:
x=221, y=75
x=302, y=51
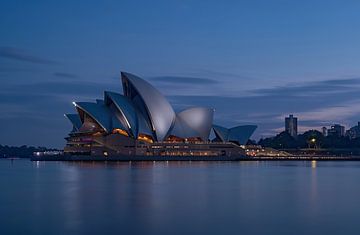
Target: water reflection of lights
x=313, y=164
x=39, y=164
x=166, y=164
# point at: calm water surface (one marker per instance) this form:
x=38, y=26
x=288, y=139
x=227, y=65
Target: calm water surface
x=179, y=198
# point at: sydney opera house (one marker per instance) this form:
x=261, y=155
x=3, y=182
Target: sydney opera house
x=141, y=122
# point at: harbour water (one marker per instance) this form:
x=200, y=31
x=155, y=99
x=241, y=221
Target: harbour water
x=276, y=197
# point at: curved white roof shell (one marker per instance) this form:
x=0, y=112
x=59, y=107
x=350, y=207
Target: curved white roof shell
x=126, y=109
x=182, y=130
x=144, y=110
x=221, y=132
x=144, y=127
x=193, y=122
x=240, y=134
x=99, y=112
x=153, y=104
x=75, y=120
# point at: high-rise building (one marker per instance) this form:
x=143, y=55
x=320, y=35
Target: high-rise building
x=324, y=131
x=336, y=130
x=354, y=132
x=291, y=125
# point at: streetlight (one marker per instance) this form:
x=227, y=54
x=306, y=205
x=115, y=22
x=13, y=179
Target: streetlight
x=313, y=141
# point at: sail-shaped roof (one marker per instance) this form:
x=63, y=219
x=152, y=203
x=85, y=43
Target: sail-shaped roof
x=126, y=109
x=75, y=120
x=240, y=134
x=144, y=110
x=221, y=132
x=193, y=122
x=99, y=112
x=151, y=103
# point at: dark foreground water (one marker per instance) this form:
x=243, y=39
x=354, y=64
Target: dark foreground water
x=179, y=198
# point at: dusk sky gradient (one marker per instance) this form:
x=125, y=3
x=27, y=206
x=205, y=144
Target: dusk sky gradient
x=253, y=61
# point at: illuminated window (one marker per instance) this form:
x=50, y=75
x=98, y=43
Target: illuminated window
x=175, y=139
x=120, y=131
x=145, y=138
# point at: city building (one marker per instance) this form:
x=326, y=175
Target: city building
x=336, y=130
x=324, y=131
x=291, y=125
x=354, y=132
x=141, y=122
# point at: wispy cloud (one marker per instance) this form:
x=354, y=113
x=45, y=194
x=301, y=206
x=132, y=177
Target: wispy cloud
x=340, y=113
x=22, y=55
x=325, y=87
x=186, y=80
x=16, y=70
x=65, y=75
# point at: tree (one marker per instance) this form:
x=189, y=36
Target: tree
x=310, y=139
x=281, y=141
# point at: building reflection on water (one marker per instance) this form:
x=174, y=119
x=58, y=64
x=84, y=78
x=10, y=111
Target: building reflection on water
x=183, y=197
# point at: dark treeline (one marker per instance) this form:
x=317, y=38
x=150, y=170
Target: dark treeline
x=310, y=139
x=21, y=152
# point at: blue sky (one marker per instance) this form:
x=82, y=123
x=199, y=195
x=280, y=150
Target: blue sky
x=253, y=61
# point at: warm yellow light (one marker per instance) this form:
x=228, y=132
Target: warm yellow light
x=97, y=134
x=145, y=138
x=313, y=140
x=120, y=131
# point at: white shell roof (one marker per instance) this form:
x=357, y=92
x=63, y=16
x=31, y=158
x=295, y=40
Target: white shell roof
x=126, y=108
x=159, y=110
x=99, y=112
x=75, y=120
x=193, y=122
x=240, y=134
x=143, y=109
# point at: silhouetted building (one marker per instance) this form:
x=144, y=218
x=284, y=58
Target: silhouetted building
x=324, y=131
x=336, y=130
x=291, y=125
x=354, y=132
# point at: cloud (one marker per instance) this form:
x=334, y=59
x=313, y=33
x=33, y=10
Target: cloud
x=183, y=80
x=22, y=55
x=65, y=75
x=340, y=113
x=16, y=70
x=225, y=74
x=60, y=88
x=325, y=87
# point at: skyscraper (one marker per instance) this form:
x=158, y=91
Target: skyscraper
x=291, y=125
x=324, y=130
x=354, y=132
x=336, y=130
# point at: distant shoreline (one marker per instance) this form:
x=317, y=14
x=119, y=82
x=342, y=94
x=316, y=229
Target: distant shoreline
x=23, y=151
x=195, y=158
x=335, y=154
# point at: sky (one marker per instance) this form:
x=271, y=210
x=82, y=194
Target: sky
x=254, y=61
